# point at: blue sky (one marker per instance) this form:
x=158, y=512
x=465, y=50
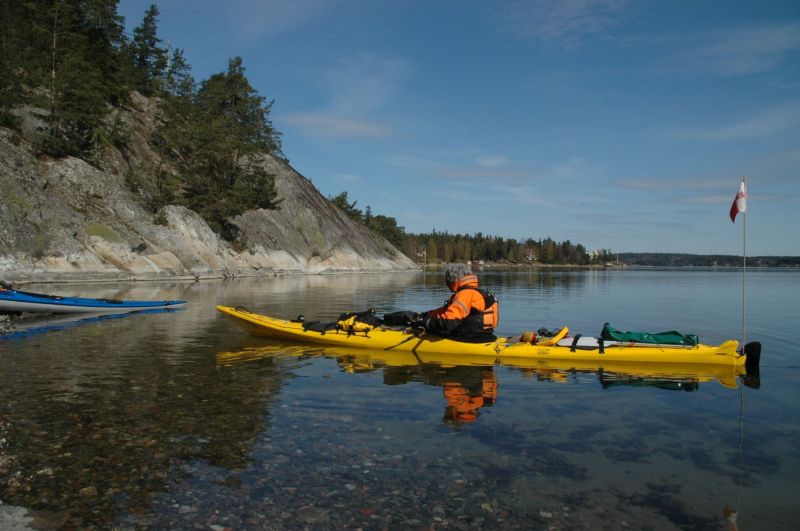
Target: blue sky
x=617, y=124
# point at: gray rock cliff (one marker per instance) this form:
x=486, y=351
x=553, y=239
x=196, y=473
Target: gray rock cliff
x=68, y=220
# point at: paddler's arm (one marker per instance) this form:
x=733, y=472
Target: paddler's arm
x=444, y=320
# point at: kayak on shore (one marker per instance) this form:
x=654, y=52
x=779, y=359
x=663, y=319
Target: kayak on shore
x=15, y=301
x=558, y=347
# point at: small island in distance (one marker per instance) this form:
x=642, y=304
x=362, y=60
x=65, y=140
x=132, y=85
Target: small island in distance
x=703, y=260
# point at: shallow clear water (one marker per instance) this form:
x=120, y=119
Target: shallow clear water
x=177, y=420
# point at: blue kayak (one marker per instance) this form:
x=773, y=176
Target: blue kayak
x=12, y=300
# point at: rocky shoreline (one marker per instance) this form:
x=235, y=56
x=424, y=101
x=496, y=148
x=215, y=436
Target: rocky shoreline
x=72, y=220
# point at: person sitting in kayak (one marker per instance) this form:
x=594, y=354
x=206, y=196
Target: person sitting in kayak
x=471, y=314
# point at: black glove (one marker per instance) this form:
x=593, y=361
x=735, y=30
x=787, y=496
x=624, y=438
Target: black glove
x=401, y=318
x=416, y=326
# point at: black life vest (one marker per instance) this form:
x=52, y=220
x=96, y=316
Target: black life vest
x=485, y=320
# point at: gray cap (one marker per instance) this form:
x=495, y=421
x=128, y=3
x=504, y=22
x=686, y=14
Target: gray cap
x=453, y=272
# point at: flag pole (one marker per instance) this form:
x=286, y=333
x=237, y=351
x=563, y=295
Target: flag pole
x=744, y=266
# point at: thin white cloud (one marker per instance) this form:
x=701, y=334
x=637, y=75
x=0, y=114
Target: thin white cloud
x=364, y=82
x=677, y=184
x=566, y=23
x=637, y=220
x=416, y=216
x=411, y=162
x=728, y=199
x=331, y=125
x=491, y=161
x=525, y=195
x=347, y=177
x=766, y=122
x=575, y=167
x=745, y=51
x=487, y=173
x=358, y=86
x=707, y=199
x=487, y=168
x=258, y=18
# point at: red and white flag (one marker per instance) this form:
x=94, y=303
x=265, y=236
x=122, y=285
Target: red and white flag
x=740, y=202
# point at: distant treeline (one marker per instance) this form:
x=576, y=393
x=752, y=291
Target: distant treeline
x=436, y=247
x=705, y=260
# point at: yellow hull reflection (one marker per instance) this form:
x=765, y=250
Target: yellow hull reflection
x=365, y=360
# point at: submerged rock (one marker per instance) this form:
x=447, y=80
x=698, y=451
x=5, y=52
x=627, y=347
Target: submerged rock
x=14, y=518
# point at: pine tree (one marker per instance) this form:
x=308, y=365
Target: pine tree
x=431, y=255
x=83, y=65
x=218, y=146
x=104, y=31
x=342, y=201
x=385, y=226
x=179, y=80
x=16, y=34
x=148, y=57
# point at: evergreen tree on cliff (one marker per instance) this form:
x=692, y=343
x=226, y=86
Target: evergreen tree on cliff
x=179, y=82
x=18, y=33
x=148, y=58
x=63, y=57
x=217, y=147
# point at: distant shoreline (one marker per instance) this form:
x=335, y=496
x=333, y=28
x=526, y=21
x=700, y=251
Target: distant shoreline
x=759, y=263
x=500, y=266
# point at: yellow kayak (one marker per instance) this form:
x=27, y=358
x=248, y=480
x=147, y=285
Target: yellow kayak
x=510, y=350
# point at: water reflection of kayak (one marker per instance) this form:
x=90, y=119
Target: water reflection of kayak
x=573, y=349
x=609, y=373
x=33, y=326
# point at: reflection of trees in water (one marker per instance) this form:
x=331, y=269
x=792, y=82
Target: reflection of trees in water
x=327, y=296
x=104, y=445
x=316, y=296
x=547, y=280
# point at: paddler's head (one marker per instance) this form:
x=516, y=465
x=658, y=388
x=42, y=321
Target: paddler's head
x=457, y=276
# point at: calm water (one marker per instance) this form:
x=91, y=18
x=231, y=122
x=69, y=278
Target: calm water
x=179, y=420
